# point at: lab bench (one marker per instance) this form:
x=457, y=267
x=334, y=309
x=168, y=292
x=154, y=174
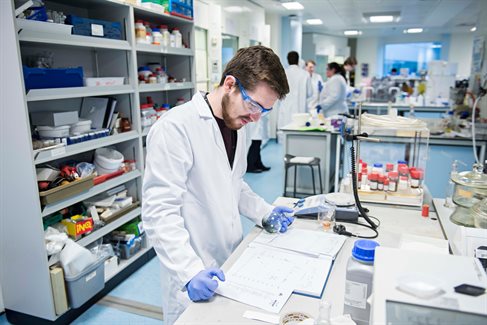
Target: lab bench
x=382, y=108
x=395, y=222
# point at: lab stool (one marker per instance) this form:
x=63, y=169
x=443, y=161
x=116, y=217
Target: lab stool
x=311, y=164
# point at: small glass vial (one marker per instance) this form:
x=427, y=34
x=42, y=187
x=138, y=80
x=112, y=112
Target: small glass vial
x=324, y=314
x=393, y=179
x=417, y=176
x=373, y=178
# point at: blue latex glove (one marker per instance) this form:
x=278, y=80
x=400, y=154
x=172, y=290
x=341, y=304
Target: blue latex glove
x=320, y=86
x=202, y=286
x=318, y=109
x=278, y=220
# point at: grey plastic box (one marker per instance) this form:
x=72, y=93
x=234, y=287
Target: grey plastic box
x=54, y=118
x=85, y=285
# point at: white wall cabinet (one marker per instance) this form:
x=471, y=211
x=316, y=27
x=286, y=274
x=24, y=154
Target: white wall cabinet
x=24, y=265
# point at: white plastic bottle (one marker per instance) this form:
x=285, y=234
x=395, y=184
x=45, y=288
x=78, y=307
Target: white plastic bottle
x=165, y=35
x=178, y=38
x=358, y=285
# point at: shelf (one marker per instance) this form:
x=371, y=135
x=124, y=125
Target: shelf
x=147, y=14
x=97, y=189
x=73, y=149
x=109, y=227
x=74, y=92
x=125, y=263
x=73, y=40
x=148, y=48
x=143, y=88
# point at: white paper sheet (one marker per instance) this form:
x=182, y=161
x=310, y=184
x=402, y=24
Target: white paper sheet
x=261, y=277
x=304, y=241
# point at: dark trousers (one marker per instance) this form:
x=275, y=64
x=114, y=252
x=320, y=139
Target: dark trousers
x=253, y=157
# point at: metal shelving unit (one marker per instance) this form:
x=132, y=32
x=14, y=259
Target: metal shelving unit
x=27, y=286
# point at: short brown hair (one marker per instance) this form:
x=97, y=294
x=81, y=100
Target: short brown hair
x=254, y=64
x=310, y=61
x=350, y=61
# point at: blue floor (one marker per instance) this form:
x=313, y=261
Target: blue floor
x=144, y=285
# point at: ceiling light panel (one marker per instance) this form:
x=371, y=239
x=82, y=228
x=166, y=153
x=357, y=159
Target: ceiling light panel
x=382, y=17
x=314, y=22
x=352, y=32
x=293, y=5
x=413, y=30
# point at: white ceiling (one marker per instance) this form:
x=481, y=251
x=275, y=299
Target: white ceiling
x=434, y=16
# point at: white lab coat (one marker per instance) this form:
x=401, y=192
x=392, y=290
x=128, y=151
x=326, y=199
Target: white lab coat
x=333, y=96
x=294, y=102
x=192, y=199
x=313, y=100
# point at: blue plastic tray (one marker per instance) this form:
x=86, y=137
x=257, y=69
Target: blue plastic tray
x=39, y=78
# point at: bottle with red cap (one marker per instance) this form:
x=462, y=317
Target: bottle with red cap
x=389, y=167
x=393, y=179
x=373, y=181
x=380, y=183
x=403, y=170
x=386, y=184
x=364, y=180
x=417, y=176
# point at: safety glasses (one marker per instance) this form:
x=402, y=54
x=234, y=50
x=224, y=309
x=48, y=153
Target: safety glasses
x=252, y=105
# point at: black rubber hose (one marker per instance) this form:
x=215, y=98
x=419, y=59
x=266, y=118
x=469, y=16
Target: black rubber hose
x=355, y=191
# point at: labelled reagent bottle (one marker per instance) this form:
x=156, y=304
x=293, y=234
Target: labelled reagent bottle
x=358, y=285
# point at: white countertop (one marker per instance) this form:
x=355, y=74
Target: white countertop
x=394, y=222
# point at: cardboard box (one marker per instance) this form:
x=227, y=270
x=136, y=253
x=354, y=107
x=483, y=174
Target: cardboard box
x=54, y=118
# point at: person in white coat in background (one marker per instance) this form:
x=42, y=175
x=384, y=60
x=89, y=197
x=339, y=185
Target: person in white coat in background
x=193, y=190
x=299, y=90
x=316, y=84
x=333, y=98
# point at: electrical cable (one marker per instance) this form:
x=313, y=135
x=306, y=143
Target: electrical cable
x=346, y=233
x=474, y=145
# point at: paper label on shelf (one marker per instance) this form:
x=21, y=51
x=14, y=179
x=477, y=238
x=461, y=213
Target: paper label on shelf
x=58, y=151
x=356, y=294
x=97, y=30
x=90, y=276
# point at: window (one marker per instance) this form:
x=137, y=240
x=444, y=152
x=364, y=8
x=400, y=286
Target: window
x=229, y=48
x=411, y=56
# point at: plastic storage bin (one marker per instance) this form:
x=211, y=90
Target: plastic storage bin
x=52, y=132
x=44, y=26
x=91, y=27
x=181, y=8
x=66, y=191
x=39, y=78
x=82, y=287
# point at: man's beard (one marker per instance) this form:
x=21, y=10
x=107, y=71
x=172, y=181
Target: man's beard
x=229, y=122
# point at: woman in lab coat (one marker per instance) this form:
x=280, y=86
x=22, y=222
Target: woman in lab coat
x=193, y=188
x=333, y=100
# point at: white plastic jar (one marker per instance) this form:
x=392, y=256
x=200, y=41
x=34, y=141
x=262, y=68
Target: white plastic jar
x=156, y=37
x=358, y=284
x=178, y=38
x=165, y=35
x=140, y=32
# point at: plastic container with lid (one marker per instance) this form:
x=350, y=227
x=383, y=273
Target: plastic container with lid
x=107, y=160
x=178, y=38
x=144, y=73
x=152, y=79
x=400, y=162
x=81, y=127
x=148, y=115
x=165, y=35
x=386, y=183
x=156, y=36
x=403, y=170
x=140, y=32
x=358, y=285
x=148, y=32
x=49, y=132
x=378, y=168
x=380, y=183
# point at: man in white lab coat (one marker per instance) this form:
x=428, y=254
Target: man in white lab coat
x=316, y=84
x=299, y=90
x=193, y=189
